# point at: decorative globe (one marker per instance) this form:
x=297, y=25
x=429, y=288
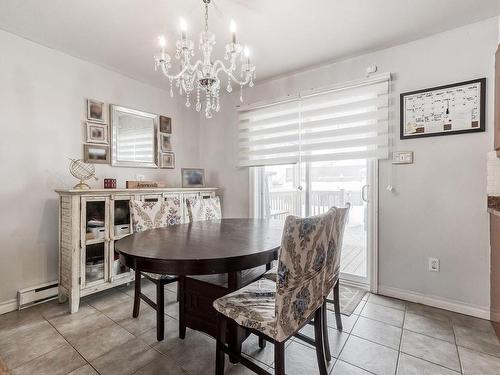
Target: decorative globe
x=81, y=171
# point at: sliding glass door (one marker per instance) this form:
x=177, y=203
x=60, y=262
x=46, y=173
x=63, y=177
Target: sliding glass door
x=282, y=196
x=335, y=183
x=308, y=189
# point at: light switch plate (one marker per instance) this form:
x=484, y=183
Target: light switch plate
x=402, y=157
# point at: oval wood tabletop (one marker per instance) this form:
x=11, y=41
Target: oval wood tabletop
x=203, y=247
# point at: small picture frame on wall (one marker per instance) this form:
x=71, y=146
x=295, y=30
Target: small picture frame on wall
x=96, y=154
x=165, y=125
x=167, y=160
x=96, y=132
x=165, y=144
x=193, y=177
x=96, y=111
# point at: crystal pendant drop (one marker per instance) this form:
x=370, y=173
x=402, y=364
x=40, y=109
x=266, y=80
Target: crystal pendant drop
x=208, y=112
x=198, y=104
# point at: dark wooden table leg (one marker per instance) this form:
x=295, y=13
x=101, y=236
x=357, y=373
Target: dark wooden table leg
x=182, y=307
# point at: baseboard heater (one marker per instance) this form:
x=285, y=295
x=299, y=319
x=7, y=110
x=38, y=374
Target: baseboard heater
x=38, y=294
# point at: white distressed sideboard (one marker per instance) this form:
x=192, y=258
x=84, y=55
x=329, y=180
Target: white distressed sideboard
x=90, y=221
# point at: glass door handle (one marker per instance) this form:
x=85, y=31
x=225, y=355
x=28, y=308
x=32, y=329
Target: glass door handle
x=300, y=188
x=364, y=193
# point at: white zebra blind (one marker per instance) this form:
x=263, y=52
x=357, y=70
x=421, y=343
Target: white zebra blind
x=350, y=122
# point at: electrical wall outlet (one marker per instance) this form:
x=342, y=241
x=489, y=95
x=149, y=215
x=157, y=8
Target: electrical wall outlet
x=433, y=264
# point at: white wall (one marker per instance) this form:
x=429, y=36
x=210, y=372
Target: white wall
x=438, y=208
x=42, y=107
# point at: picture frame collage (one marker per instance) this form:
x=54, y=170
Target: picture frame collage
x=167, y=156
x=96, y=142
x=96, y=139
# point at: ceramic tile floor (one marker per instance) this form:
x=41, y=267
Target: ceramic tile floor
x=383, y=336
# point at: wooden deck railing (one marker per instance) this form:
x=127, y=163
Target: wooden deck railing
x=283, y=203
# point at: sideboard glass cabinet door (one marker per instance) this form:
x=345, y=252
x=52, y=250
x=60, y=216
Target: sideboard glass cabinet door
x=95, y=241
x=121, y=226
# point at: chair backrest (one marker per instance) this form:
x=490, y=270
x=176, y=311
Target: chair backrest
x=335, y=246
x=302, y=270
x=204, y=209
x=151, y=215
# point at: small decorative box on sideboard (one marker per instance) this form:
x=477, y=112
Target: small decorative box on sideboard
x=90, y=221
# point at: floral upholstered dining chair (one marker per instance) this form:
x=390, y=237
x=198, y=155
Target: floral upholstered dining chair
x=333, y=264
x=151, y=215
x=146, y=216
x=200, y=209
x=277, y=309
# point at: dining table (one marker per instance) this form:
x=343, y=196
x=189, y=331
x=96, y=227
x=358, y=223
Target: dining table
x=211, y=259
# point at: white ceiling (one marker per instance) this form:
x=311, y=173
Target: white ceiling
x=284, y=35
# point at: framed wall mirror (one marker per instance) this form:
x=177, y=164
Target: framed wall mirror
x=134, y=139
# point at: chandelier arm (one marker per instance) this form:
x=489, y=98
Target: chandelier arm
x=230, y=73
x=197, y=65
x=187, y=67
x=173, y=77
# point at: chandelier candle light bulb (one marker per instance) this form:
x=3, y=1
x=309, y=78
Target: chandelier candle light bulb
x=232, y=28
x=247, y=55
x=163, y=43
x=202, y=76
x=183, y=25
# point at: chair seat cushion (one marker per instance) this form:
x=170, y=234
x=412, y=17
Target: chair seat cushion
x=158, y=276
x=252, y=306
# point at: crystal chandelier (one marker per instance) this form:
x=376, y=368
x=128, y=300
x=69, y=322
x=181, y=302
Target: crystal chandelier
x=203, y=75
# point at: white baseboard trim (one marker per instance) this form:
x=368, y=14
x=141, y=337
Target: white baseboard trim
x=8, y=306
x=356, y=284
x=434, y=301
